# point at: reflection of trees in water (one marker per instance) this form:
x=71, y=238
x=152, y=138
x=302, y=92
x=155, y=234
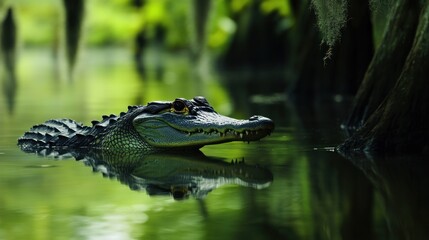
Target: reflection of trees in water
x=73, y=24
x=342, y=199
x=402, y=182
x=363, y=198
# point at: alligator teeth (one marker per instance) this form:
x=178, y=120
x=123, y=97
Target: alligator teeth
x=225, y=133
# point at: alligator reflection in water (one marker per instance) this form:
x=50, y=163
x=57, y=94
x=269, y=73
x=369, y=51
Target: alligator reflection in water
x=178, y=175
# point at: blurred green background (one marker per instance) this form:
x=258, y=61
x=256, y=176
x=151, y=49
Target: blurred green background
x=82, y=59
x=117, y=22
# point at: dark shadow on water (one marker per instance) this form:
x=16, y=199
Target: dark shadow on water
x=403, y=185
x=342, y=200
x=178, y=175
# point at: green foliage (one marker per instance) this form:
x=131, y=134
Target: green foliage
x=268, y=6
x=117, y=22
x=38, y=22
x=331, y=18
x=110, y=23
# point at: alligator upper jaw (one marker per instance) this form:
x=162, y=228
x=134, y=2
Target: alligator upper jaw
x=230, y=134
x=190, y=131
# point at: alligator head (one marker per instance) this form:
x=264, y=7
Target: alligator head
x=194, y=123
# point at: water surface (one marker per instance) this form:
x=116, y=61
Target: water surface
x=314, y=193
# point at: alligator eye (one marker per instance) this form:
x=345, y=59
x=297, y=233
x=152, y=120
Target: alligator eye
x=179, y=106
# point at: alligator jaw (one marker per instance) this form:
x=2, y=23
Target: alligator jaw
x=168, y=130
x=244, y=135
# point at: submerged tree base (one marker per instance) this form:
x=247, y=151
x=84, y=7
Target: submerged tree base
x=400, y=124
x=372, y=146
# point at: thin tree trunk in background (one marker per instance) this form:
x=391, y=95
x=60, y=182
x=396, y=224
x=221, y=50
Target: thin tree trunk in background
x=8, y=39
x=401, y=123
x=200, y=13
x=257, y=43
x=305, y=56
x=74, y=12
x=387, y=63
x=354, y=58
x=8, y=57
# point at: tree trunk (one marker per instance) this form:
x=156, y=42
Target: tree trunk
x=401, y=123
x=267, y=48
x=74, y=13
x=8, y=57
x=200, y=11
x=387, y=63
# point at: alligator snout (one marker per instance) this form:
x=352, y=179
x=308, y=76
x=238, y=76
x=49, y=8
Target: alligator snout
x=263, y=121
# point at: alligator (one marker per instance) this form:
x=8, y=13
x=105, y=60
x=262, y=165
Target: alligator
x=157, y=127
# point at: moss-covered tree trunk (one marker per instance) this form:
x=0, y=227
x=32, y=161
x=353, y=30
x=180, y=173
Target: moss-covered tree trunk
x=387, y=62
x=401, y=122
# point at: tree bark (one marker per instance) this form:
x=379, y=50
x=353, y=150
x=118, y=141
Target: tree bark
x=386, y=64
x=401, y=123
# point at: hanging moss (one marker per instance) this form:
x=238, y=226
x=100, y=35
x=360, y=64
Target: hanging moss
x=331, y=18
x=381, y=6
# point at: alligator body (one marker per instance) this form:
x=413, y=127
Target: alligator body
x=157, y=127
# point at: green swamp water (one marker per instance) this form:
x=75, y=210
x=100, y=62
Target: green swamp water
x=314, y=193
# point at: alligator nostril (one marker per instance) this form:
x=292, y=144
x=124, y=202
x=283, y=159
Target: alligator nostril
x=253, y=118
